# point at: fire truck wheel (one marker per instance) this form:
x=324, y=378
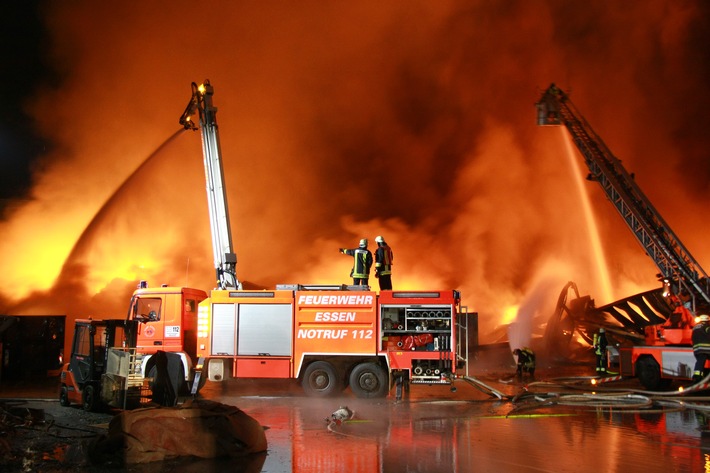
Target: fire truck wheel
x=649, y=374
x=64, y=397
x=321, y=379
x=89, y=398
x=369, y=380
x=182, y=385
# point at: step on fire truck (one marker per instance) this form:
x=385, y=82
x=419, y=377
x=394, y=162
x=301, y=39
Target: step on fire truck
x=667, y=351
x=328, y=337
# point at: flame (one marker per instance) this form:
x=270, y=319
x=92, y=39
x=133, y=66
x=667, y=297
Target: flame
x=336, y=128
x=509, y=314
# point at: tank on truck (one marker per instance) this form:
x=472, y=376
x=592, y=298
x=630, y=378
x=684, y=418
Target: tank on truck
x=225, y=260
x=678, y=269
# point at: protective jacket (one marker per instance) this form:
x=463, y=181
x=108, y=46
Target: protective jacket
x=362, y=262
x=383, y=259
x=701, y=339
x=701, y=349
x=600, y=344
x=526, y=360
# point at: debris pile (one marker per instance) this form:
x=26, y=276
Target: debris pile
x=201, y=428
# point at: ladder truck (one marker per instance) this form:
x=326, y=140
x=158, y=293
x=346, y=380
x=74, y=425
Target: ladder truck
x=667, y=350
x=328, y=337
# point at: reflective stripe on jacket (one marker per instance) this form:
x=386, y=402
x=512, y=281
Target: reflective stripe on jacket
x=701, y=338
x=383, y=259
x=362, y=262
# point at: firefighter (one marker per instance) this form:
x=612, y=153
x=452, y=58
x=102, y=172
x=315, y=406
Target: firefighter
x=600, y=343
x=526, y=362
x=383, y=263
x=362, y=262
x=701, y=346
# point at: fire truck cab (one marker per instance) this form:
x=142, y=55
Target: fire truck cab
x=168, y=317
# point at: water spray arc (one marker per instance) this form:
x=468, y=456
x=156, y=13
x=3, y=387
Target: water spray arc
x=592, y=229
x=102, y=214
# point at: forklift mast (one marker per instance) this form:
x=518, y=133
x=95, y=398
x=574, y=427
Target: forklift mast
x=225, y=260
x=678, y=269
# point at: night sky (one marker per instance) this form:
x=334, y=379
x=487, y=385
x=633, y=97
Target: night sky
x=339, y=121
x=26, y=69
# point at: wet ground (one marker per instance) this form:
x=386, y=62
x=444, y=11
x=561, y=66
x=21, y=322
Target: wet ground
x=553, y=425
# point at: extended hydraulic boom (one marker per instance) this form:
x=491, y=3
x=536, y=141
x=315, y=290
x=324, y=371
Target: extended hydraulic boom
x=677, y=266
x=225, y=260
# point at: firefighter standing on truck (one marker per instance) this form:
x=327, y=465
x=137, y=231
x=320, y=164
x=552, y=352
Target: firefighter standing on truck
x=701, y=346
x=383, y=264
x=362, y=262
x=600, y=343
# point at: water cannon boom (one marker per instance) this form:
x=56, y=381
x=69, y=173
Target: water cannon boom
x=225, y=260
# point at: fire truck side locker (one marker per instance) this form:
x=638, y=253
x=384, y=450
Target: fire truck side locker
x=419, y=334
x=248, y=333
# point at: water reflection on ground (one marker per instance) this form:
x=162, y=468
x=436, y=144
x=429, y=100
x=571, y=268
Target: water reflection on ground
x=436, y=430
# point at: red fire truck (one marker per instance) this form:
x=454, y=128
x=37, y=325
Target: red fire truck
x=662, y=318
x=328, y=337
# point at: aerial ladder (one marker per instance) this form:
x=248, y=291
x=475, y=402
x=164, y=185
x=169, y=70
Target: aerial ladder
x=681, y=274
x=225, y=260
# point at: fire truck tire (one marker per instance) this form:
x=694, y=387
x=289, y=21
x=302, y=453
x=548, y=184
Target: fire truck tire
x=649, y=374
x=321, y=379
x=369, y=380
x=182, y=387
x=64, y=397
x=90, y=399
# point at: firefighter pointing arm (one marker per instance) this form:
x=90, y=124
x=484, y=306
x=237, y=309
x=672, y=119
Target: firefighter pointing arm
x=362, y=262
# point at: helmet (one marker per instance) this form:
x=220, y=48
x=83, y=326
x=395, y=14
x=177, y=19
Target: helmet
x=379, y=239
x=363, y=243
x=702, y=319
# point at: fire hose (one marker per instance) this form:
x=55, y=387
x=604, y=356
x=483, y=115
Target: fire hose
x=626, y=400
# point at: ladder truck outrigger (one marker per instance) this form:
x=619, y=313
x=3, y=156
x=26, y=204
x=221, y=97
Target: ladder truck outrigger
x=666, y=353
x=328, y=337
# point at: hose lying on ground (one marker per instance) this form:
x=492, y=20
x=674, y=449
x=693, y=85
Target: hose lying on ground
x=624, y=399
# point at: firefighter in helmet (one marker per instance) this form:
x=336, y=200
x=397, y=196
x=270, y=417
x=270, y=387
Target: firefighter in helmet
x=383, y=263
x=362, y=262
x=600, y=343
x=701, y=346
x=526, y=362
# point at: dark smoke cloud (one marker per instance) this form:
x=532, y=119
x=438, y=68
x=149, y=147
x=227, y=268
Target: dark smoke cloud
x=345, y=120
x=24, y=71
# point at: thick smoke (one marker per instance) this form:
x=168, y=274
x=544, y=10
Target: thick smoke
x=343, y=120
